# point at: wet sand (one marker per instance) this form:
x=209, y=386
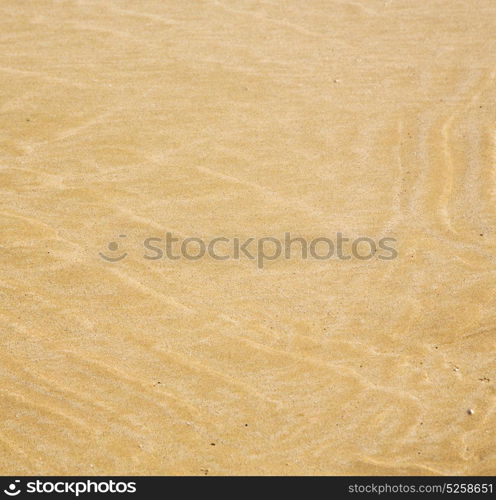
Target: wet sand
x=247, y=118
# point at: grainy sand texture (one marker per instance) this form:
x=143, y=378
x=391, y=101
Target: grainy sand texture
x=121, y=120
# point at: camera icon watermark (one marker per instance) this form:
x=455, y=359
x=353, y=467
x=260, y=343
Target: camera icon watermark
x=113, y=247
x=13, y=489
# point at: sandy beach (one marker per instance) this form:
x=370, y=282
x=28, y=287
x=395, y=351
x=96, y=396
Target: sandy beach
x=124, y=120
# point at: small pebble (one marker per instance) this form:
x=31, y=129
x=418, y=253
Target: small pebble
x=470, y=411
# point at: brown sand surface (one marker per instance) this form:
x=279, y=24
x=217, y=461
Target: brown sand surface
x=247, y=118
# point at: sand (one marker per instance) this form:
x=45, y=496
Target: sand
x=122, y=120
